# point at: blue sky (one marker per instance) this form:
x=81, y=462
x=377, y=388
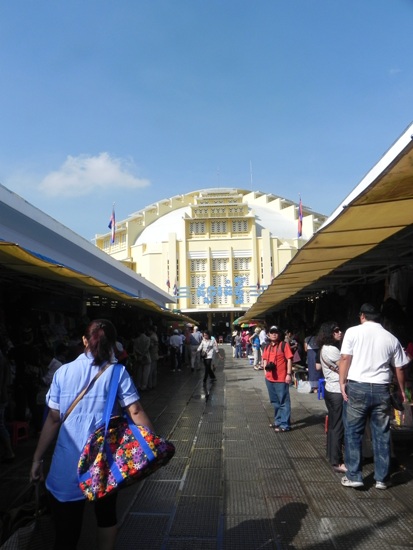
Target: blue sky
x=134, y=101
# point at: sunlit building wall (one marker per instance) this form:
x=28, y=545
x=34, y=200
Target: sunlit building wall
x=214, y=250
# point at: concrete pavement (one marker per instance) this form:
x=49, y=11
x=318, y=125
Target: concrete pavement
x=234, y=484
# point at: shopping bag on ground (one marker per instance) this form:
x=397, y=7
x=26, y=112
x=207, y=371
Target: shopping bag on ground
x=27, y=523
x=304, y=386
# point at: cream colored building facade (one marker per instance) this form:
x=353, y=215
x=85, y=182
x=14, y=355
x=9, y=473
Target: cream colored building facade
x=214, y=250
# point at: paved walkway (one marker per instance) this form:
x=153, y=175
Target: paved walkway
x=234, y=484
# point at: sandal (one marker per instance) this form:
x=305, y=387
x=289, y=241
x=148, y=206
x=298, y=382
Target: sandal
x=278, y=429
x=274, y=426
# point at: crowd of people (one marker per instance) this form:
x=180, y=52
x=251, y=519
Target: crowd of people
x=31, y=354
x=358, y=365
x=38, y=383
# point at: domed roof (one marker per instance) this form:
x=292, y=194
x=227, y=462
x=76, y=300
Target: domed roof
x=276, y=221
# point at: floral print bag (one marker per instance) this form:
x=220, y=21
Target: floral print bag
x=119, y=453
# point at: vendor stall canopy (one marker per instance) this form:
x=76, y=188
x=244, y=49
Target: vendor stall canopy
x=368, y=236
x=35, y=245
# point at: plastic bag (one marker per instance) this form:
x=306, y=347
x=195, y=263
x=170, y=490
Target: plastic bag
x=304, y=386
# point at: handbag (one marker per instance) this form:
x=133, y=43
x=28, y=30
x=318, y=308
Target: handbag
x=27, y=524
x=119, y=453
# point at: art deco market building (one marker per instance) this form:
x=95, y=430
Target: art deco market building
x=214, y=250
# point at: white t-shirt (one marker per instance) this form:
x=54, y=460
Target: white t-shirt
x=330, y=355
x=374, y=350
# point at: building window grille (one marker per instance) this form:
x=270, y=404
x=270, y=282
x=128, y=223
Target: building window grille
x=219, y=227
x=236, y=211
x=240, y=226
x=218, y=211
x=201, y=212
x=197, y=228
x=245, y=279
x=219, y=280
x=219, y=264
x=242, y=264
x=197, y=280
x=196, y=300
x=198, y=265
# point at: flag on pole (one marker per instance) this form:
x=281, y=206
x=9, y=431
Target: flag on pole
x=300, y=218
x=168, y=283
x=112, y=224
x=175, y=289
x=258, y=285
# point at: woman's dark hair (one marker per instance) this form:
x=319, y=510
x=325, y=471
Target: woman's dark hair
x=101, y=339
x=207, y=332
x=325, y=335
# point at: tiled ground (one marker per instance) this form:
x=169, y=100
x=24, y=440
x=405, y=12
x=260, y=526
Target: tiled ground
x=234, y=484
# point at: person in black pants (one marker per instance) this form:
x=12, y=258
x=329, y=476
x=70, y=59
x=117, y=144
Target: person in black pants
x=329, y=342
x=207, y=347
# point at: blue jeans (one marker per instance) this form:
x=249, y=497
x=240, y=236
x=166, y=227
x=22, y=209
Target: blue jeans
x=238, y=351
x=279, y=394
x=367, y=401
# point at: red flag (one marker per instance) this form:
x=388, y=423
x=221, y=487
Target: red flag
x=112, y=224
x=300, y=218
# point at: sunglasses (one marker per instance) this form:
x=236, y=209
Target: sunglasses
x=336, y=329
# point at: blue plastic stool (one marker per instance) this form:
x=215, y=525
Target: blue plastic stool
x=321, y=385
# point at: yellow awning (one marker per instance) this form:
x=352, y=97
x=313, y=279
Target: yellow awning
x=16, y=258
x=368, y=235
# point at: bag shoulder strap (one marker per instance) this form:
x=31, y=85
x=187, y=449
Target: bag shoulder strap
x=84, y=391
x=329, y=364
x=113, y=390
x=282, y=346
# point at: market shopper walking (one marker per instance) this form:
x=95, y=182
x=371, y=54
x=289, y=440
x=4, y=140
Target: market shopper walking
x=67, y=500
x=368, y=354
x=277, y=362
x=194, y=340
x=207, y=347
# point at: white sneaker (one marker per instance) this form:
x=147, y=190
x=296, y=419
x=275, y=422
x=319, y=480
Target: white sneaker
x=349, y=483
x=382, y=485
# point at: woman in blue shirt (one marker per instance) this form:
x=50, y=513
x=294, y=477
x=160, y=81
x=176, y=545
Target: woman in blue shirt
x=67, y=500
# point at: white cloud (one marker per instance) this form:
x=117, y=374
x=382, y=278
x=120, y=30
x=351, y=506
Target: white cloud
x=83, y=175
